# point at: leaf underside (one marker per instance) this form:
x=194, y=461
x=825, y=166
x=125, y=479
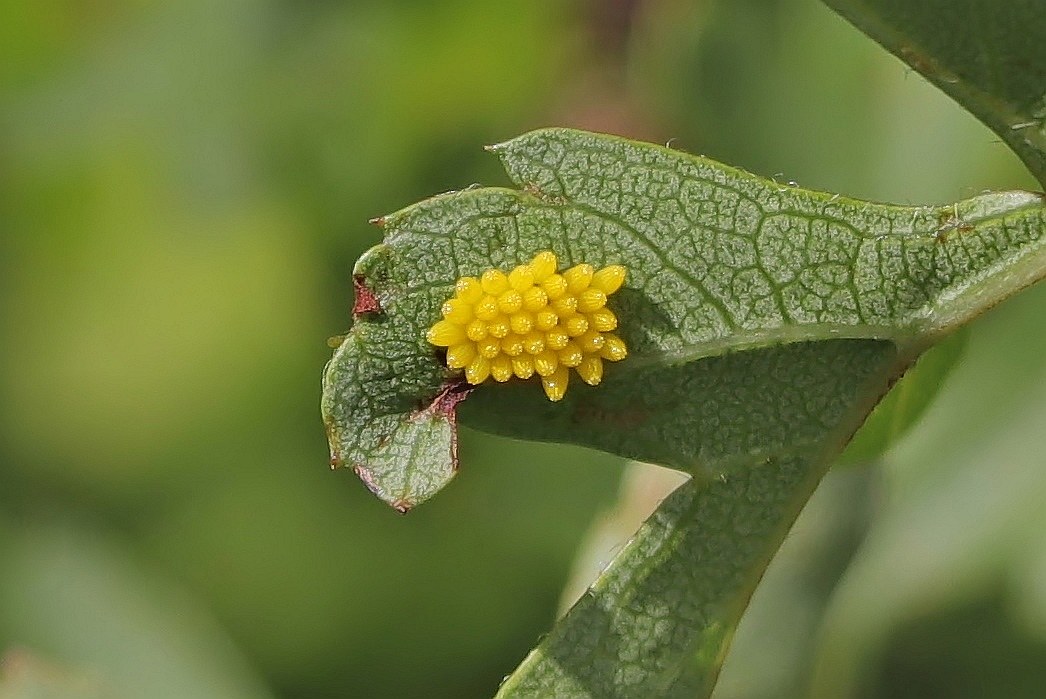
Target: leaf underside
x=764, y=322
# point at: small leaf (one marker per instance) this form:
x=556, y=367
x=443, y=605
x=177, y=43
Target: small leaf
x=989, y=56
x=404, y=451
x=738, y=291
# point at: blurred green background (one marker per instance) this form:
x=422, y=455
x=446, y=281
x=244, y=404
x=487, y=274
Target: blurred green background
x=183, y=190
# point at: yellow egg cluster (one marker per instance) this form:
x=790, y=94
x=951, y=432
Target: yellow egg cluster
x=532, y=320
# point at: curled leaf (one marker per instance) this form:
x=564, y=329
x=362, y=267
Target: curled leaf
x=739, y=291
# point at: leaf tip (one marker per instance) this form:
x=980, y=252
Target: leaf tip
x=367, y=476
x=496, y=147
x=402, y=505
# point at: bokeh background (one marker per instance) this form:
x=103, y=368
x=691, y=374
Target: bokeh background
x=184, y=187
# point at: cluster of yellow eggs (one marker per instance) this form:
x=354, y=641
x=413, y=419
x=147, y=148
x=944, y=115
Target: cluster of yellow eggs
x=530, y=321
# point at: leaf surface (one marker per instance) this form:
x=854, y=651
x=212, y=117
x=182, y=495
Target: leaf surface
x=764, y=323
x=729, y=274
x=989, y=56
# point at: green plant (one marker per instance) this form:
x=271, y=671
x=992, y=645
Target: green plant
x=764, y=321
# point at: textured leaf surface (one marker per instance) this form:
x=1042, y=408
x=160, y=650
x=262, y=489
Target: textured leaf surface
x=989, y=56
x=719, y=261
x=764, y=323
x=658, y=621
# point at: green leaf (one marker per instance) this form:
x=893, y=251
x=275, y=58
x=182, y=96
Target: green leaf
x=764, y=323
x=658, y=621
x=989, y=56
x=736, y=286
